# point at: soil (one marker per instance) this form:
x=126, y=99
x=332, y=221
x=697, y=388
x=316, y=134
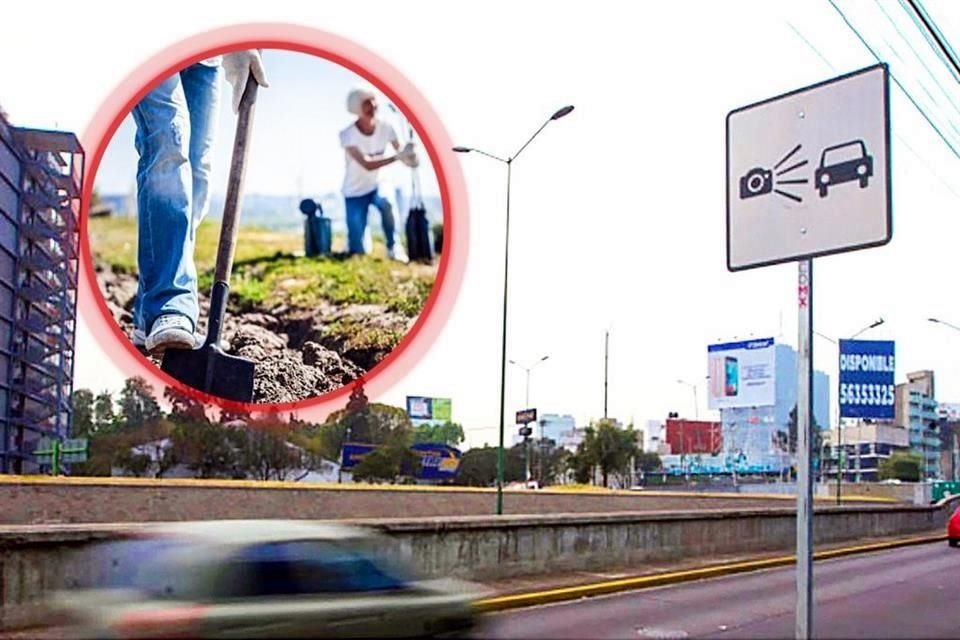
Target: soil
x=296, y=355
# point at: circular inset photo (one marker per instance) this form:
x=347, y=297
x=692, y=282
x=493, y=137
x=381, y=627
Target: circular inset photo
x=265, y=226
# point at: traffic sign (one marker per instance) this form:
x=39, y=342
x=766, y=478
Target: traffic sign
x=526, y=432
x=526, y=416
x=808, y=172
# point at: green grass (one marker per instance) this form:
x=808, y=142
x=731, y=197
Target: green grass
x=114, y=242
x=266, y=273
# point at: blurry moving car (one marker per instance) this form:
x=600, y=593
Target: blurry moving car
x=256, y=579
x=953, y=529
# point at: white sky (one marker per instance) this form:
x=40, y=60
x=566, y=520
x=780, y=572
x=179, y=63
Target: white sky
x=617, y=211
x=295, y=147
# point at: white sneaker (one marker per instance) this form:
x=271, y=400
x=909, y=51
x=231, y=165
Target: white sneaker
x=170, y=331
x=398, y=253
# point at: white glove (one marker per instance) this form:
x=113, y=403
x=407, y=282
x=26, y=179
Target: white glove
x=237, y=67
x=408, y=156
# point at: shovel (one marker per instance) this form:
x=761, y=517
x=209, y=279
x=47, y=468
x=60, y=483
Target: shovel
x=209, y=369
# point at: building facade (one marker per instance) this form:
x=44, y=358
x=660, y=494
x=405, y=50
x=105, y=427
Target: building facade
x=916, y=410
x=41, y=176
x=552, y=426
x=864, y=445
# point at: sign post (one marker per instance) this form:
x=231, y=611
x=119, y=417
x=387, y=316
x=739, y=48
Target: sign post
x=525, y=417
x=804, y=623
x=808, y=175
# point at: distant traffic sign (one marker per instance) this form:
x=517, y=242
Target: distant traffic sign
x=526, y=432
x=526, y=416
x=808, y=172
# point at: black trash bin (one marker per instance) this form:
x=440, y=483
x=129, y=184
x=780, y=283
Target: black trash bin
x=317, y=230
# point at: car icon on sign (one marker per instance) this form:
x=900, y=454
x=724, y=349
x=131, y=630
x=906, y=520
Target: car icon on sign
x=843, y=163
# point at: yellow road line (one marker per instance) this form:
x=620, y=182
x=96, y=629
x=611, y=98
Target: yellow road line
x=355, y=486
x=562, y=594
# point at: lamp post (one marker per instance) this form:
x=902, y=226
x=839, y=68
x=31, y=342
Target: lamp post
x=506, y=265
x=527, y=370
x=873, y=325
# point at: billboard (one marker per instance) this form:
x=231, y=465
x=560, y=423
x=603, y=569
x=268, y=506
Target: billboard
x=437, y=461
x=434, y=409
x=742, y=374
x=867, y=386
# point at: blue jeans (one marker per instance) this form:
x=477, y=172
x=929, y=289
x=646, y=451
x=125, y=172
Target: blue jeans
x=175, y=127
x=357, y=219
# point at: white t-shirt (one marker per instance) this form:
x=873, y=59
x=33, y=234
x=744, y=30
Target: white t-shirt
x=357, y=181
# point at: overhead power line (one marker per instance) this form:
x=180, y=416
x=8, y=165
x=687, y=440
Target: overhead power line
x=953, y=148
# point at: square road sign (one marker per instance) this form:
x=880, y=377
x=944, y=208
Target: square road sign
x=808, y=172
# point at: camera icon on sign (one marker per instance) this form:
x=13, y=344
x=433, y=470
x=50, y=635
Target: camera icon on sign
x=757, y=182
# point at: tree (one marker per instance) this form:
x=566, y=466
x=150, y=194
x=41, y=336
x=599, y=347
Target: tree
x=104, y=416
x=373, y=424
x=607, y=448
x=387, y=464
x=137, y=403
x=136, y=464
x=83, y=422
x=478, y=466
x=184, y=407
x=264, y=452
x=648, y=461
x=206, y=449
x=902, y=465
x=449, y=433
x=548, y=458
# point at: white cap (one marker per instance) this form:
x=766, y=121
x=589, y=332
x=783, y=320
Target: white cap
x=357, y=97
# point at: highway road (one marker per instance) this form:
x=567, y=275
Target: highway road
x=912, y=592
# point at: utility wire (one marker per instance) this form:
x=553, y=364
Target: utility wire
x=902, y=140
x=922, y=63
x=926, y=117
x=933, y=35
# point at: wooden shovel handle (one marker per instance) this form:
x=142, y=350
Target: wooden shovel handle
x=230, y=224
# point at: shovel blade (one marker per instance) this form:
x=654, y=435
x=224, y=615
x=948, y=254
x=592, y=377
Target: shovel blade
x=210, y=370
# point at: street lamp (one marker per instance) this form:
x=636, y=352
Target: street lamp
x=528, y=369
x=526, y=405
x=559, y=113
x=873, y=325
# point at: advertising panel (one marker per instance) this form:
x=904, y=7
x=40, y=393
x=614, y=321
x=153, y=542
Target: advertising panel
x=419, y=408
x=867, y=385
x=437, y=461
x=742, y=374
x=433, y=409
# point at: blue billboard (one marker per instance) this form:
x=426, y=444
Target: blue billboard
x=867, y=383
x=437, y=461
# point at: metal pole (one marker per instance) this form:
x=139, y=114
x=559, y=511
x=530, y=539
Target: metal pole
x=804, y=612
x=503, y=352
x=606, y=363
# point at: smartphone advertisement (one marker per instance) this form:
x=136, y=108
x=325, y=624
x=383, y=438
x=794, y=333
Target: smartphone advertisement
x=741, y=374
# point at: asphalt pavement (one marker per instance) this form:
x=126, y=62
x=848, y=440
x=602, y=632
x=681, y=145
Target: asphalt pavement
x=912, y=592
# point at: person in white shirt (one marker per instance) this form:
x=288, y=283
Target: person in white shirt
x=365, y=142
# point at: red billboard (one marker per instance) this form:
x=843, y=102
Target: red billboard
x=694, y=436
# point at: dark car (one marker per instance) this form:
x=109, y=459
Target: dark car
x=843, y=163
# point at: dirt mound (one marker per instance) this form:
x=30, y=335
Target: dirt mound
x=299, y=353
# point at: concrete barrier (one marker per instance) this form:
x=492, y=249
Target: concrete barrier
x=34, y=559
x=46, y=500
